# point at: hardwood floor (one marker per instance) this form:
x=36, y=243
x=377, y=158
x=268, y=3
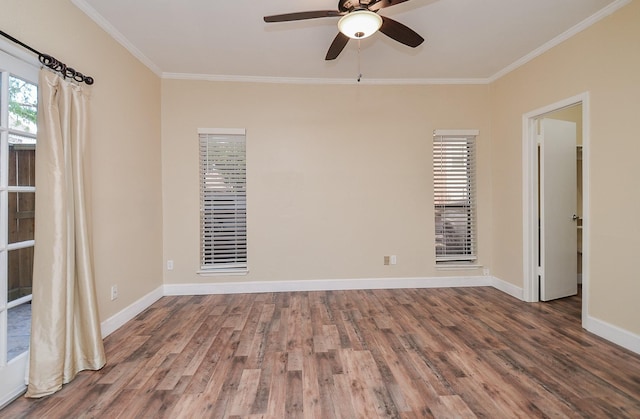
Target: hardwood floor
x=444, y=353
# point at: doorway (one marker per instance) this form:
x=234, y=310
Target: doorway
x=534, y=243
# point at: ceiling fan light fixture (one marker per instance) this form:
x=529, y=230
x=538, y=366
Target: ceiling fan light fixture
x=360, y=24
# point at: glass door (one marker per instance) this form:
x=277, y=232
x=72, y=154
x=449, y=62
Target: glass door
x=18, y=129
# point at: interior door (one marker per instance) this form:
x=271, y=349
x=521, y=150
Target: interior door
x=558, y=201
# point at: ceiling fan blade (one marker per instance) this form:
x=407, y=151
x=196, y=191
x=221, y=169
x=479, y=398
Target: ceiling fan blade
x=338, y=44
x=287, y=17
x=399, y=32
x=381, y=4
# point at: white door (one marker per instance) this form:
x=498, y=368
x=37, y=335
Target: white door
x=558, y=202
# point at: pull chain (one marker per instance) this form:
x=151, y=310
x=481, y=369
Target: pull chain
x=359, y=69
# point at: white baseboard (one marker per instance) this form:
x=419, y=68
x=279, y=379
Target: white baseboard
x=116, y=321
x=612, y=333
x=507, y=288
x=324, y=285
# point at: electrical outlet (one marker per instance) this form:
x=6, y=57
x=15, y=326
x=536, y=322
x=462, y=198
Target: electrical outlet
x=170, y=265
x=386, y=260
x=114, y=292
x=485, y=271
x=393, y=260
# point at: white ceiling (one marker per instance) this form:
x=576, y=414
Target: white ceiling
x=466, y=40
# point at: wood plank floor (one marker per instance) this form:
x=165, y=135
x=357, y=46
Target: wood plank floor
x=443, y=353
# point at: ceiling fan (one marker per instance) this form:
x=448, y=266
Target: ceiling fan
x=358, y=19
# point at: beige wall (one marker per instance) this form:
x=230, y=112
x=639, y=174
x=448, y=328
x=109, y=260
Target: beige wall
x=125, y=130
x=603, y=60
x=338, y=176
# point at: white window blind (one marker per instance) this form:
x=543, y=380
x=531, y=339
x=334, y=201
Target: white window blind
x=223, y=201
x=454, y=173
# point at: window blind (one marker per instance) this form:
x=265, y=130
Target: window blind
x=223, y=202
x=454, y=172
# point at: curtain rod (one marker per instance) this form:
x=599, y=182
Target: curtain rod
x=52, y=63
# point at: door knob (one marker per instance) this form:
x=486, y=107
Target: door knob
x=575, y=217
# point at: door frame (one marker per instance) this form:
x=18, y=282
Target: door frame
x=530, y=197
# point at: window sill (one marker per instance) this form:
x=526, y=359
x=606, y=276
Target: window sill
x=223, y=272
x=457, y=266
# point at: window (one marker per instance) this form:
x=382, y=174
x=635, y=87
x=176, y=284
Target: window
x=223, y=201
x=18, y=129
x=454, y=166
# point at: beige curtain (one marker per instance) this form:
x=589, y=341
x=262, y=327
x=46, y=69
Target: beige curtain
x=65, y=328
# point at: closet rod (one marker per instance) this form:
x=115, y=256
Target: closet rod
x=52, y=63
